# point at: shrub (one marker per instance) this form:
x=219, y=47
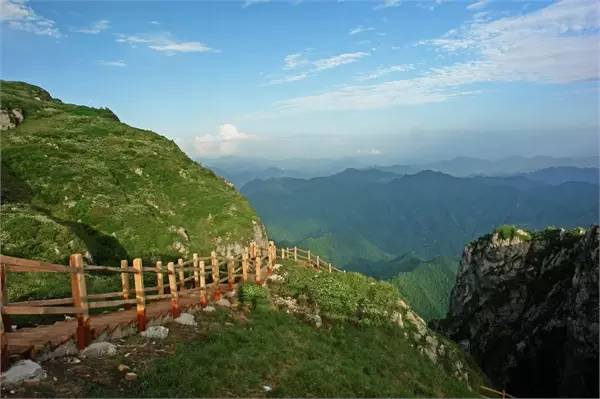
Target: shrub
x=345, y=296
x=253, y=294
x=508, y=231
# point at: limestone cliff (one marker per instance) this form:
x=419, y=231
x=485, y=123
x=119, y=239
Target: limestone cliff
x=526, y=308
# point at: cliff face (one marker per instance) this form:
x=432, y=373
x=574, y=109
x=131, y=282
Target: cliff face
x=526, y=308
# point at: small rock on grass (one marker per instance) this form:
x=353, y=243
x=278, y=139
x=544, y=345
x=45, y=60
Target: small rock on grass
x=100, y=349
x=131, y=376
x=155, y=332
x=209, y=309
x=186, y=319
x=123, y=367
x=223, y=302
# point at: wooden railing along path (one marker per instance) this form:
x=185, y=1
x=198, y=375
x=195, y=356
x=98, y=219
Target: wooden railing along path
x=201, y=278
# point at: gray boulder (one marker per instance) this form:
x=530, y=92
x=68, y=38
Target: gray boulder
x=21, y=371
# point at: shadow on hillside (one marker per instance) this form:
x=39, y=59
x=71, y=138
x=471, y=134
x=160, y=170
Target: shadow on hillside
x=105, y=249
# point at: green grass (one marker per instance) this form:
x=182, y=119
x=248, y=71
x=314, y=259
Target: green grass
x=75, y=179
x=296, y=360
x=342, y=296
x=507, y=232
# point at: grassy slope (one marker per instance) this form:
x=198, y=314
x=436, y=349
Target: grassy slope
x=354, y=354
x=427, y=287
x=75, y=179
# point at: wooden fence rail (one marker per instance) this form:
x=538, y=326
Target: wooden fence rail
x=221, y=269
x=184, y=278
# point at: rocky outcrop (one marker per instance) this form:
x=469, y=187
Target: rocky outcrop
x=10, y=118
x=526, y=308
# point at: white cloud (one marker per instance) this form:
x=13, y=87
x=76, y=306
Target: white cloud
x=288, y=79
x=225, y=141
x=478, y=5
x=556, y=44
x=293, y=61
x=335, y=61
x=382, y=71
x=298, y=61
x=360, y=29
x=372, y=151
x=120, y=64
x=164, y=43
x=249, y=3
x=154, y=22
x=388, y=4
x=94, y=29
x=18, y=15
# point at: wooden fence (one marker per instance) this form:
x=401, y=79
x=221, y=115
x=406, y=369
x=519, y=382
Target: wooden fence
x=202, y=272
x=302, y=255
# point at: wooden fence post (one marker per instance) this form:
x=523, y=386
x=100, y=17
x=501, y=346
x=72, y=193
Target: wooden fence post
x=173, y=288
x=230, y=272
x=4, y=299
x=181, y=274
x=79, y=292
x=258, y=262
x=196, y=265
x=140, y=294
x=308, y=256
x=330, y=268
x=4, y=321
x=125, y=283
x=253, y=249
x=318, y=262
x=295, y=254
x=272, y=255
x=245, y=266
x=159, y=279
x=215, y=275
x=202, y=284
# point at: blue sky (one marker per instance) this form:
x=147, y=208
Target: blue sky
x=391, y=80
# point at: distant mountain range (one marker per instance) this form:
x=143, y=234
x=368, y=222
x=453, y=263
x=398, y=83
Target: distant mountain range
x=363, y=219
x=241, y=170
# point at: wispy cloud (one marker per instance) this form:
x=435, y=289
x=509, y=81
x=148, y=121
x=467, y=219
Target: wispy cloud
x=370, y=151
x=478, y=5
x=164, y=43
x=225, y=141
x=120, y=64
x=293, y=61
x=18, y=15
x=383, y=71
x=556, y=44
x=388, y=4
x=310, y=67
x=288, y=79
x=249, y=3
x=95, y=28
x=154, y=22
x=337, y=60
x=360, y=29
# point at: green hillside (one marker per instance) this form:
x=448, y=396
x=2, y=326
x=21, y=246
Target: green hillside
x=427, y=287
x=75, y=179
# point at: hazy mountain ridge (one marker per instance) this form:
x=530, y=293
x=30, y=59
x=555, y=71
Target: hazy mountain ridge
x=428, y=213
x=240, y=170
